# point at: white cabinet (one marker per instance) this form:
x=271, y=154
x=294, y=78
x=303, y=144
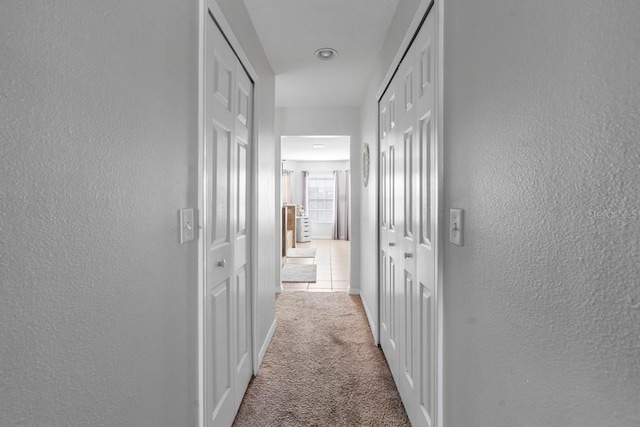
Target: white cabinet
x=303, y=229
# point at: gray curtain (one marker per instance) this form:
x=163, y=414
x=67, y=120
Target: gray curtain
x=305, y=191
x=336, y=213
x=287, y=176
x=347, y=204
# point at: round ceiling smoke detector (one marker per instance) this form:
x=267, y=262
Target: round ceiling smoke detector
x=326, y=54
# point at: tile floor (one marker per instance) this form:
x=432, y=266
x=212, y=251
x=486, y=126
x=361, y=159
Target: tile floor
x=332, y=259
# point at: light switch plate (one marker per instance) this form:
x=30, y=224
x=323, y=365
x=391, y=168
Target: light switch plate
x=187, y=227
x=456, y=226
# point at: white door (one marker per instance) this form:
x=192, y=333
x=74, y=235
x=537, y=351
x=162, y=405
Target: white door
x=388, y=229
x=227, y=334
x=427, y=174
x=405, y=204
x=408, y=227
x=242, y=163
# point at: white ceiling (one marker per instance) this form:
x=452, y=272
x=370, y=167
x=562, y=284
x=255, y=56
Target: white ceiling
x=292, y=30
x=301, y=148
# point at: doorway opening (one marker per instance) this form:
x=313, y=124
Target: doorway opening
x=316, y=213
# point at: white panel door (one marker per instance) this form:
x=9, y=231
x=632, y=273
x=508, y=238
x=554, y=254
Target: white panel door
x=408, y=227
x=242, y=163
x=388, y=229
x=227, y=334
x=426, y=192
x=405, y=208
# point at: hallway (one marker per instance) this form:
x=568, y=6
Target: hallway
x=322, y=369
x=105, y=315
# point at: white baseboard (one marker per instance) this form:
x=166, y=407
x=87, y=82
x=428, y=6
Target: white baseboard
x=279, y=289
x=265, y=345
x=370, y=320
x=354, y=291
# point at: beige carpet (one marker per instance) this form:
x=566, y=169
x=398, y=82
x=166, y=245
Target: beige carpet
x=322, y=369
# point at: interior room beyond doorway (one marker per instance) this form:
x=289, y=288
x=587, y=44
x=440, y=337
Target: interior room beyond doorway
x=316, y=178
x=315, y=190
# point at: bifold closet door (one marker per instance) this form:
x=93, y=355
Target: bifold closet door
x=408, y=227
x=388, y=257
x=228, y=106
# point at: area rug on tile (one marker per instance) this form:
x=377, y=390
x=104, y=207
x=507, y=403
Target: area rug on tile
x=299, y=273
x=322, y=369
x=301, y=253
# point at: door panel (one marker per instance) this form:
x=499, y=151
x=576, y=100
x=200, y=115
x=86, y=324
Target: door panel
x=242, y=189
x=391, y=297
x=244, y=107
x=408, y=228
x=384, y=290
x=220, y=403
x=219, y=198
x=426, y=196
x=405, y=203
x=392, y=191
x=384, y=166
x=242, y=311
x=408, y=90
x=409, y=324
x=426, y=398
x=426, y=271
x=227, y=329
x=408, y=185
x=388, y=251
x=392, y=112
x=219, y=384
x=425, y=180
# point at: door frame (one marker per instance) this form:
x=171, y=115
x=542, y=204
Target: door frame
x=207, y=7
x=412, y=31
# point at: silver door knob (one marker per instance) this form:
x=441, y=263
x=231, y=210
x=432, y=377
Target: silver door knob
x=408, y=254
x=222, y=263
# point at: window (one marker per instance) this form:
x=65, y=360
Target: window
x=320, y=195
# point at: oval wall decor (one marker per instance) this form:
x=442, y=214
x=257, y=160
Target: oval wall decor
x=365, y=164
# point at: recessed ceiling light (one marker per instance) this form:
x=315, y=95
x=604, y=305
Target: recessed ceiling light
x=326, y=54
x=317, y=146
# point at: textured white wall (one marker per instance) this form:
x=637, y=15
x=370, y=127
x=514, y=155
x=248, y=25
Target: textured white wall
x=98, y=301
x=542, y=126
x=402, y=18
x=542, y=312
x=99, y=151
x=268, y=165
x=331, y=121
